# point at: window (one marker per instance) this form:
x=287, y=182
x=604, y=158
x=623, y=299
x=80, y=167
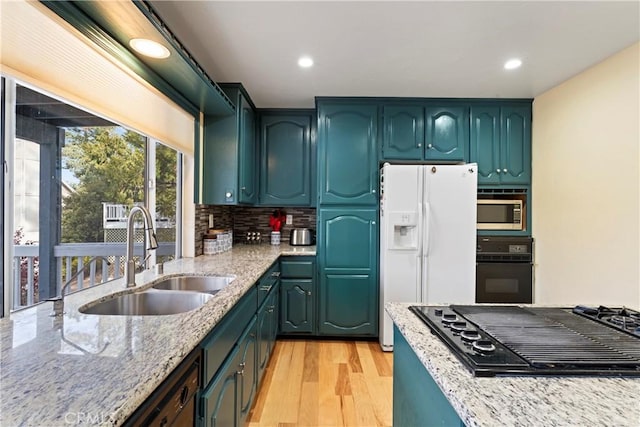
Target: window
x=73, y=178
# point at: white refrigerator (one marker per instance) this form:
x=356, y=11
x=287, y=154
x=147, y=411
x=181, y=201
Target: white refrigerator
x=427, y=237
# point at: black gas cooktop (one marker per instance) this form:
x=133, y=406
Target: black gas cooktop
x=512, y=340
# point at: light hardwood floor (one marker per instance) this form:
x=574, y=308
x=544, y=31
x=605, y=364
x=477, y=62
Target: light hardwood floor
x=325, y=383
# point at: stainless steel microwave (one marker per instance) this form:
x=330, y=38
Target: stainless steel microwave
x=496, y=214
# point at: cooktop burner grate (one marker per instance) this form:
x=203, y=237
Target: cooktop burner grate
x=549, y=337
x=513, y=340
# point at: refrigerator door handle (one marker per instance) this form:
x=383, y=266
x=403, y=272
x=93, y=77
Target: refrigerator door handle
x=426, y=226
x=424, y=281
x=420, y=280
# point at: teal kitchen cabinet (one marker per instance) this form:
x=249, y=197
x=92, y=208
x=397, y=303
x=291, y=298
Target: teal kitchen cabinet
x=297, y=295
x=347, y=153
x=447, y=132
x=248, y=373
x=425, y=131
x=268, y=291
x=226, y=353
x=236, y=352
x=230, y=153
x=403, y=132
x=417, y=399
x=219, y=401
x=501, y=143
x=348, y=284
x=267, y=329
x=228, y=399
x=287, y=158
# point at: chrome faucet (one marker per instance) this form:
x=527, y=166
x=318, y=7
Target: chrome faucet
x=150, y=240
x=58, y=302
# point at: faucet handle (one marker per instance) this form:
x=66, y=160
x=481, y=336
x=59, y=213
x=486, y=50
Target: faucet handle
x=58, y=306
x=142, y=264
x=159, y=268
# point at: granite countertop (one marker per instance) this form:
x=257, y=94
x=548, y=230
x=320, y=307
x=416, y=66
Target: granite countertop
x=519, y=401
x=97, y=370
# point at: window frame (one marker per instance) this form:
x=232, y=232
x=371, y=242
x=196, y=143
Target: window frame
x=7, y=142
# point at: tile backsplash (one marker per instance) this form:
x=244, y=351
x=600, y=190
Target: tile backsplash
x=222, y=218
x=257, y=219
x=243, y=219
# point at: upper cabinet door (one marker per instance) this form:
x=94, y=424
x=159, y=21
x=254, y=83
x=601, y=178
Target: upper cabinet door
x=285, y=144
x=515, y=152
x=229, y=153
x=247, y=193
x=348, y=162
x=447, y=135
x=403, y=132
x=485, y=143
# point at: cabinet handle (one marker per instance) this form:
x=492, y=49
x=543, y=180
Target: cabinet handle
x=242, y=365
x=498, y=170
x=504, y=170
x=373, y=191
x=252, y=335
x=429, y=145
x=266, y=288
x=419, y=145
x=275, y=274
x=309, y=293
x=373, y=223
x=184, y=395
x=270, y=310
x=241, y=373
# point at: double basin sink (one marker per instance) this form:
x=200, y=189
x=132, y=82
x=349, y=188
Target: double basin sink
x=172, y=295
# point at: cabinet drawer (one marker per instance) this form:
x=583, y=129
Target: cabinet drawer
x=303, y=269
x=267, y=282
x=221, y=340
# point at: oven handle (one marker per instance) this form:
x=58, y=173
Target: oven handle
x=503, y=261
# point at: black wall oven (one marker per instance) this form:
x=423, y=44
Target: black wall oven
x=504, y=269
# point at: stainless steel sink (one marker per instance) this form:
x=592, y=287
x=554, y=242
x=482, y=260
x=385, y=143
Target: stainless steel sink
x=150, y=303
x=208, y=284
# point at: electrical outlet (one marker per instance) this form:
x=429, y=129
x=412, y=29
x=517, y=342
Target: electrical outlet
x=289, y=219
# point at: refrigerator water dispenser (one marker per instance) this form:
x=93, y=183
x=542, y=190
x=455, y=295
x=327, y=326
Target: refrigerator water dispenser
x=404, y=230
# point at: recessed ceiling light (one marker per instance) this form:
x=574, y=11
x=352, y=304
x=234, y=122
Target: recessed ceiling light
x=305, y=62
x=512, y=64
x=149, y=48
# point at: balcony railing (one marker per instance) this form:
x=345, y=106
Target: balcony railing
x=115, y=216
x=70, y=258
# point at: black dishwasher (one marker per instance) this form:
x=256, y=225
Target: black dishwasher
x=174, y=402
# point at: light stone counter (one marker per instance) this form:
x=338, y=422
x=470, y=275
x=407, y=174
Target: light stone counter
x=524, y=400
x=97, y=370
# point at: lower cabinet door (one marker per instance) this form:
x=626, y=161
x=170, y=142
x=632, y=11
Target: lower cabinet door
x=348, y=305
x=267, y=331
x=219, y=401
x=247, y=369
x=274, y=319
x=296, y=307
x=263, y=340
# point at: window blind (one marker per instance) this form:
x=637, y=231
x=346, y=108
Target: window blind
x=41, y=49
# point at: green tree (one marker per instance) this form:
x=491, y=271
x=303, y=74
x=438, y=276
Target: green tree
x=166, y=173
x=109, y=165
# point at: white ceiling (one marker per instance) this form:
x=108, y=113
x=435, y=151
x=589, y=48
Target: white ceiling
x=393, y=48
